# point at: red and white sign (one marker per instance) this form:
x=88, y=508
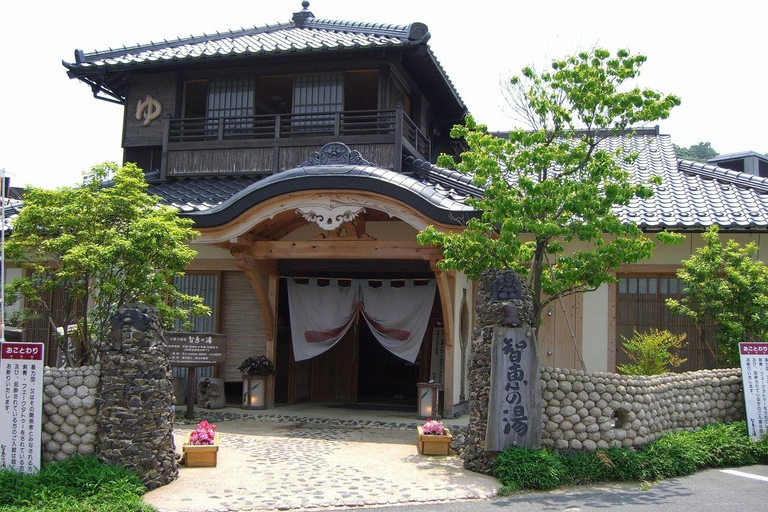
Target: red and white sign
x=754, y=376
x=21, y=414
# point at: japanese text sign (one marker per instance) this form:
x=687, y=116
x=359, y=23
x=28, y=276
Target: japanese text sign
x=514, y=401
x=754, y=376
x=21, y=414
x=196, y=348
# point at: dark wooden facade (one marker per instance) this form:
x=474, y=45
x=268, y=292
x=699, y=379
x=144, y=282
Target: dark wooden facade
x=384, y=115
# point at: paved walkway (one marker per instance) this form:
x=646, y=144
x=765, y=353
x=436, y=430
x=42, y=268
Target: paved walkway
x=285, y=461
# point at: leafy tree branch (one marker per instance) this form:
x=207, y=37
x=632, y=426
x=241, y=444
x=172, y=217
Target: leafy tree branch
x=104, y=244
x=557, y=185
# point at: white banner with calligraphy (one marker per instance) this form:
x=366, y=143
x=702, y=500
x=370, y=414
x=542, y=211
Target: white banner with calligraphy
x=754, y=376
x=514, y=400
x=21, y=415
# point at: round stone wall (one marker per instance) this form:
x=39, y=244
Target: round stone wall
x=587, y=411
x=69, y=412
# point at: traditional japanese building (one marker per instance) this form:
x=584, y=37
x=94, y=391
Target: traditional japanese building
x=303, y=152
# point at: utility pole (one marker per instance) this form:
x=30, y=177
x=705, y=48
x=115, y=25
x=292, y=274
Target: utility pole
x=2, y=258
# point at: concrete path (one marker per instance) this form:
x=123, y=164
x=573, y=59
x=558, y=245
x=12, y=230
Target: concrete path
x=268, y=465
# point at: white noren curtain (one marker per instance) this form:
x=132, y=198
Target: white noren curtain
x=321, y=315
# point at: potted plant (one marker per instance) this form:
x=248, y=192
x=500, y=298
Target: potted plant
x=202, y=446
x=434, y=438
x=255, y=370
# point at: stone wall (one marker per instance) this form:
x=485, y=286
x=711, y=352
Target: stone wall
x=586, y=411
x=136, y=399
x=489, y=314
x=69, y=412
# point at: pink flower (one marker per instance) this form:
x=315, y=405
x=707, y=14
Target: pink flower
x=204, y=434
x=434, y=428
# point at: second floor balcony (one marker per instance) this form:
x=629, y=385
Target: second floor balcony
x=265, y=144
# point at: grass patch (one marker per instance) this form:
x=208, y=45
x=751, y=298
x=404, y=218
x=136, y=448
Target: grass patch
x=79, y=484
x=677, y=454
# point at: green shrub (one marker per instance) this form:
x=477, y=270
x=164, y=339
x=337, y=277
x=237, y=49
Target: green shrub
x=524, y=468
x=676, y=454
x=652, y=353
x=78, y=484
x=585, y=468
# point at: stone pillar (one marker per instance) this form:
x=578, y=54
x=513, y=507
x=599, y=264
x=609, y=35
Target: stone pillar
x=495, y=306
x=135, y=414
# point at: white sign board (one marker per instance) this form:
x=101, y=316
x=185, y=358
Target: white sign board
x=21, y=415
x=754, y=376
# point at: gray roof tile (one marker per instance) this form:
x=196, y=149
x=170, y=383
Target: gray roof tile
x=691, y=195
x=315, y=34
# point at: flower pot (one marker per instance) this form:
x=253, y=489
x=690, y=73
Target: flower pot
x=435, y=445
x=201, y=455
x=254, y=392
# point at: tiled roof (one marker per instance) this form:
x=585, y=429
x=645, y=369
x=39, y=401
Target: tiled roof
x=103, y=69
x=12, y=209
x=315, y=34
x=691, y=195
x=212, y=201
x=200, y=193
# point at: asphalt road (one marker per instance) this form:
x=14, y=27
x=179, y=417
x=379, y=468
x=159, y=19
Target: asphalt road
x=709, y=491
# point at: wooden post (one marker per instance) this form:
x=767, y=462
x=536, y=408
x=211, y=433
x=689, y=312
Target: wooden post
x=164, y=155
x=191, y=392
x=399, y=137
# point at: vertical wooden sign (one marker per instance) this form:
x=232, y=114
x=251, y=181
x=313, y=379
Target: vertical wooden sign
x=21, y=414
x=514, y=402
x=437, y=360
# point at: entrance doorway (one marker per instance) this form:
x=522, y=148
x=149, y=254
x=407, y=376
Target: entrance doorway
x=357, y=370
x=382, y=377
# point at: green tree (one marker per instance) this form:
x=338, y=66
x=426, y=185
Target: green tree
x=652, y=353
x=727, y=284
x=103, y=245
x=554, y=185
x=700, y=152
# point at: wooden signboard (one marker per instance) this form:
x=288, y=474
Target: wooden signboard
x=193, y=349
x=514, y=408
x=196, y=348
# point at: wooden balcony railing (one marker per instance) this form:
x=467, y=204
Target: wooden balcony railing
x=186, y=138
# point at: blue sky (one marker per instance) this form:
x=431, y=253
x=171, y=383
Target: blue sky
x=711, y=54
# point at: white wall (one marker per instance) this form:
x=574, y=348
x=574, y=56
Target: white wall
x=595, y=330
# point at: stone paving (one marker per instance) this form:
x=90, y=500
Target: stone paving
x=287, y=462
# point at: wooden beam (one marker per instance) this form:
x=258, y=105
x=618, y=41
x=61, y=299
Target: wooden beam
x=255, y=272
x=264, y=212
x=612, y=327
x=212, y=265
x=341, y=250
x=445, y=287
x=643, y=268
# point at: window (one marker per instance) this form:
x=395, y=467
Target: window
x=205, y=286
x=315, y=100
x=233, y=101
x=641, y=306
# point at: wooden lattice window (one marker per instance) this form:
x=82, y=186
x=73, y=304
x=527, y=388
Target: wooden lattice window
x=641, y=305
